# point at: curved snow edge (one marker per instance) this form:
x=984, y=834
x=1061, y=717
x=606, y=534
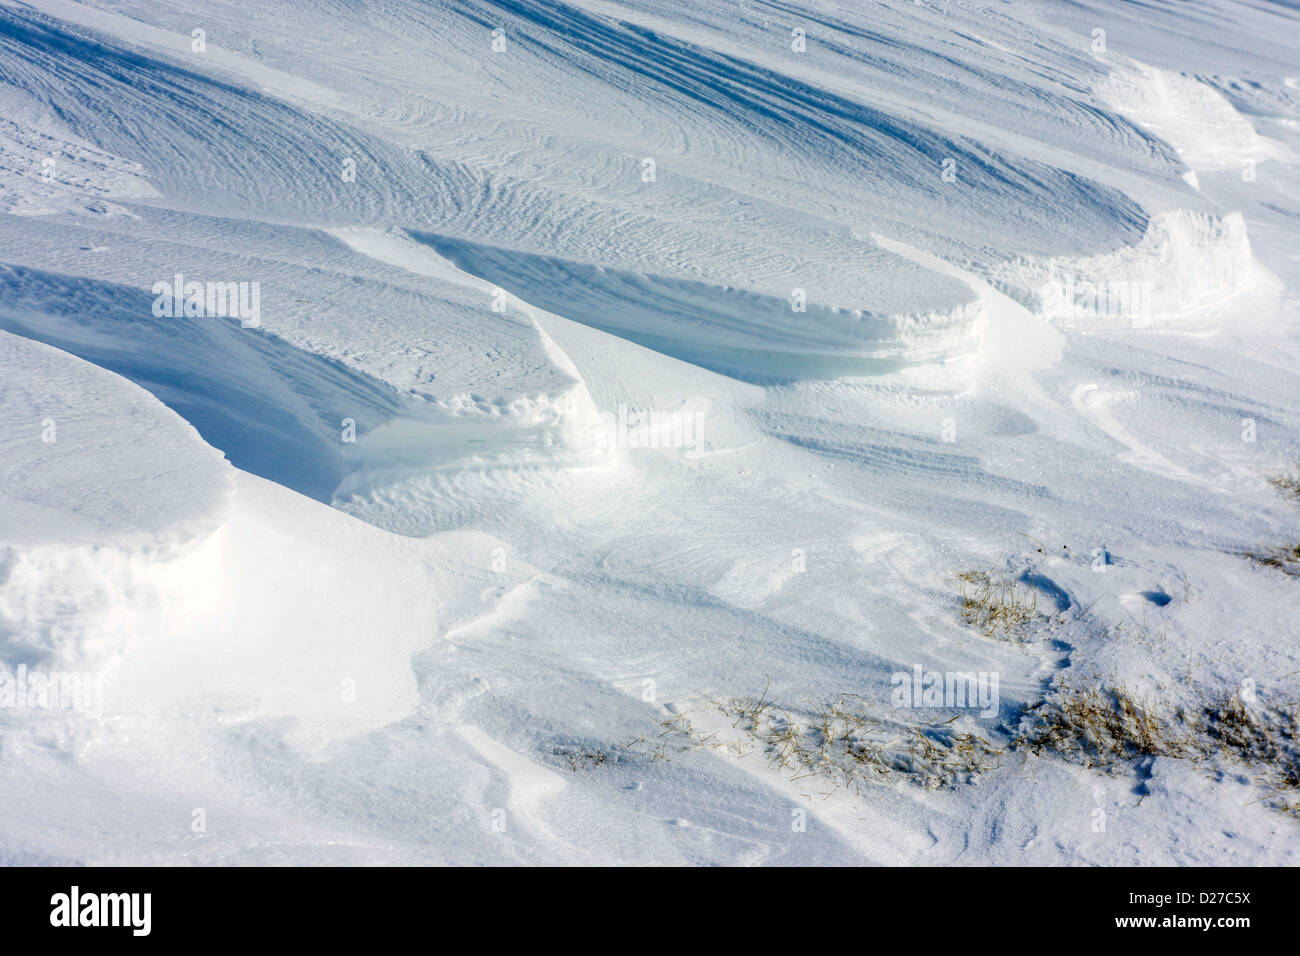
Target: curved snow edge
x=1185, y=261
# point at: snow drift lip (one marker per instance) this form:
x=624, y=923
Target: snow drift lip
x=218, y=376
x=1185, y=261
x=738, y=332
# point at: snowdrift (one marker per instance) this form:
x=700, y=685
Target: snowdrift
x=397, y=570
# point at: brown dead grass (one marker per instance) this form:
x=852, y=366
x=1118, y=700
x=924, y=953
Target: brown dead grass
x=1285, y=558
x=1286, y=482
x=996, y=605
x=846, y=743
x=1102, y=726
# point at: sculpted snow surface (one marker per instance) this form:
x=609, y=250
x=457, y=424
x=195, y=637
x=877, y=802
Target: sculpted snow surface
x=614, y=361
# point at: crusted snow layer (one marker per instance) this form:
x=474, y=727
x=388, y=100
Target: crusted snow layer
x=515, y=587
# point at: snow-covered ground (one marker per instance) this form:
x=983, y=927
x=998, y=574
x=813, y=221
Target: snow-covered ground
x=609, y=370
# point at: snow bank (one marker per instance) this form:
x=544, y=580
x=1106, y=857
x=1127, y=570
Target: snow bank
x=131, y=551
x=464, y=248
x=108, y=503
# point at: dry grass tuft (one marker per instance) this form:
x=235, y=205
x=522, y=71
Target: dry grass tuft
x=1102, y=726
x=844, y=743
x=677, y=735
x=580, y=758
x=996, y=605
x=1285, y=559
x=1286, y=482
x=1098, y=725
x=1264, y=739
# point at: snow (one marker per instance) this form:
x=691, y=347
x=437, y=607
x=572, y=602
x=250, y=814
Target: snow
x=400, y=575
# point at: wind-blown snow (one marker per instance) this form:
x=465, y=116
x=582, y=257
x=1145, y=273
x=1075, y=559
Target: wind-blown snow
x=372, y=577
